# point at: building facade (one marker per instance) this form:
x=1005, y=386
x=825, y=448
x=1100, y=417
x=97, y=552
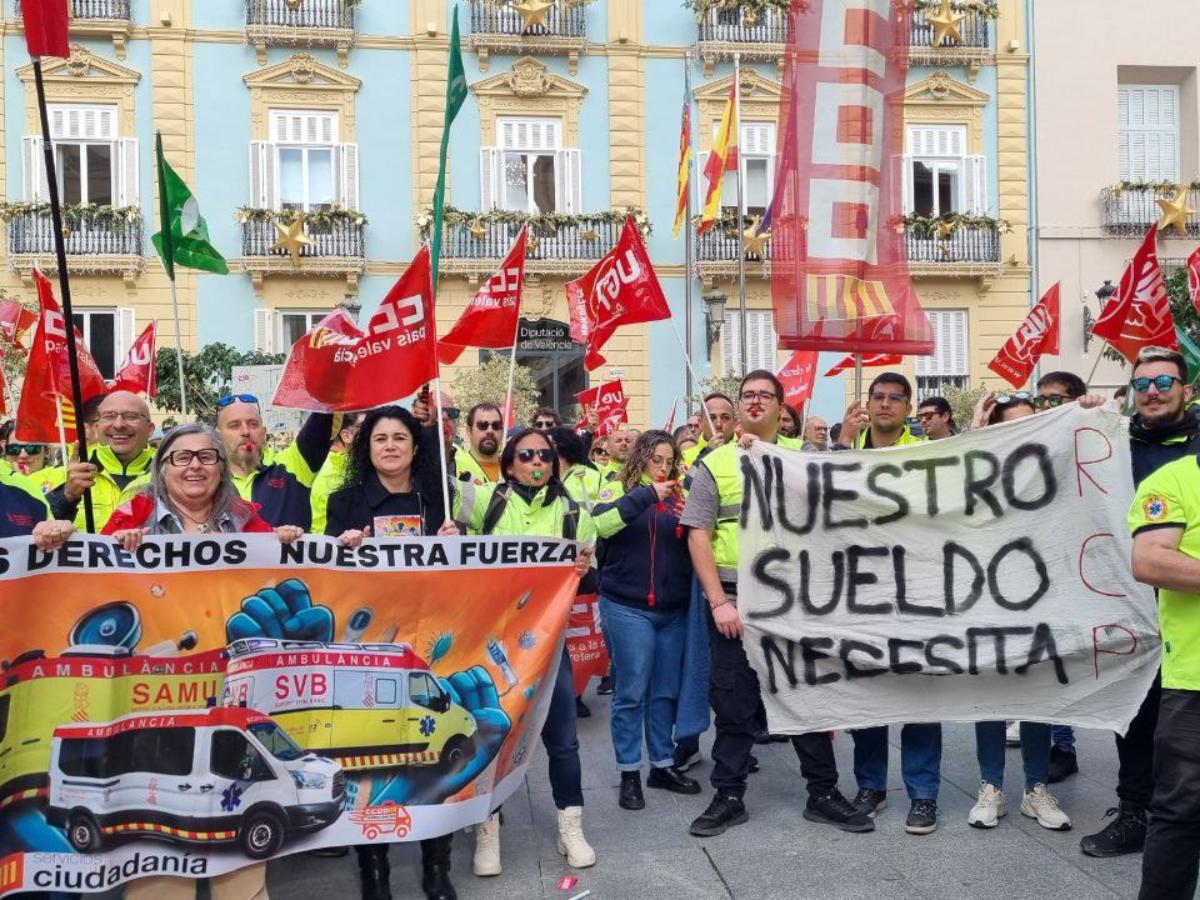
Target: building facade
x=1105, y=154
x=335, y=108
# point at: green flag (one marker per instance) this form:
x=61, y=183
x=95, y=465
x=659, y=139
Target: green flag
x=186, y=241
x=1191, y=353
x=456, y=95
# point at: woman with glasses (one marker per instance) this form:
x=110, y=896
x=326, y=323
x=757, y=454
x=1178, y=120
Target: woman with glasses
x=993, y=408
x=599, y=452
x=531, y=500
x=645, y=590
x=392, y=488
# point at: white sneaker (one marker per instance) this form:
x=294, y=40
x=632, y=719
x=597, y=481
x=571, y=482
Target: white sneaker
x=989, y=809
x=1040, y=804
x=1012, y=735
x=571, y=842
x=487, y=847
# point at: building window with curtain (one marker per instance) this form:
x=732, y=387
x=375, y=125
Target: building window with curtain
x=304, y=166
x=530, y=171
x=95, y=166
x=940, y=177
x=756, y=154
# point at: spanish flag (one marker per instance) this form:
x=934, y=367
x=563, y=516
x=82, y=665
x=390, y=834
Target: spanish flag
x=685, y=167
x=721, y=159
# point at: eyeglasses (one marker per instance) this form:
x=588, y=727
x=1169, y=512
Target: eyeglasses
x=181, y=459
x=880, y=397
x=527, y=454
x=497, y=425
x=760, y=396
x=237, y=398
x=27, y=449
x=1016, y=397
x=926, y=414
x=1053, y=401
x=111, y=417
x=451, y=412
x=1162, y=383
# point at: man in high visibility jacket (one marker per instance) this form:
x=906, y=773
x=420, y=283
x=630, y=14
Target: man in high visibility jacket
x=722, y=413
x=620, y=443
x=117, y=466
x=713, y=506
x=329, y=478
x=881, y=423
x=479, y=462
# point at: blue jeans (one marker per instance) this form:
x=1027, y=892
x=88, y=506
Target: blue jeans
x=560, y=740
x=920, y=759
x=647, y=649
x=1035, y=752
x=1063, y=737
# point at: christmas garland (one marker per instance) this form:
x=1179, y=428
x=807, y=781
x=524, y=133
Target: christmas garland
x=751, y=9
x=541, y=224
x=945, y=226
x=984, y=8
x=117, y=218
x=729, y=222
x=324, y=218
x=569, y=4
x=1161, y=188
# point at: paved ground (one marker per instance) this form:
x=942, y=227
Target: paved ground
x=649, y=854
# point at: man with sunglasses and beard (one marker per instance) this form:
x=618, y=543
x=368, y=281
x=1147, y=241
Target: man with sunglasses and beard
x=480, y=464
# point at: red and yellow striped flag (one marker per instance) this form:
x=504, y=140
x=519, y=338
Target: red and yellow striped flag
x=721, y=159
x=685, y=168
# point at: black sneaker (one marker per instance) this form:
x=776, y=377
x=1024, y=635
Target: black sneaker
x=724, y=812
x=834, y=809
x=1063, y=764
x=630, y=796
x=868, y=801
x=754, y=766
x=581, y=709
x=685, y=760
x=671, y=779
x=922, y=817
x=605, y=686
x=1124, y=834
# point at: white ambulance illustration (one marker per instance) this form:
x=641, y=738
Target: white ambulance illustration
x=210, y=776
x=369, y=706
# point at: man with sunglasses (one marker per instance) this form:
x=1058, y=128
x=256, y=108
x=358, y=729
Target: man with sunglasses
x=1164, y=428
x=280, y=482
x=711, y=514
x=937, y=418
x=120, y=463
x=545, y=419
x=479, y=462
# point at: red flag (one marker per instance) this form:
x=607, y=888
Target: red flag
x=49, y=374
x=621, y=289
x=870, y=361
x=138, y=372
x=798, y=375
x=491, y=318
x=1193, y=268
x=1037, y=335
x=670, y=429
x=15, y=320
x=339, y=368
x=46, y=29
x=508, y=411
x=1139, y=314
x=612, y=418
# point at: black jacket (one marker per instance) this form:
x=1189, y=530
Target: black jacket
x=1152, y=448
x=357, y=507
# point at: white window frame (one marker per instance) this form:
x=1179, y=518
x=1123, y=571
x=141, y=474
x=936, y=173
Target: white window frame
x=534, y=136
x=321, y=129
x=1148, y=149
x=124, y=330
x=83, y=125
x=311, y=316
x=941, y=147
x=756, y=141
x=762, y=346
x=950, y=361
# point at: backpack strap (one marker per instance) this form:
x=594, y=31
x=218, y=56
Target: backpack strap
x=495, y=510
x=570, y=523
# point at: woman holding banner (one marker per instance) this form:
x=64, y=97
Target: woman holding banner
x=531, y=500
x=392, y=489
x=645, y=590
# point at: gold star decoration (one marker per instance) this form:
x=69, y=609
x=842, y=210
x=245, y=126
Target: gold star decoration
x=945, y=230
x=946, y=24
x=478, y=230
x=531, y=244
x=293, y=5
x=292, y=238
x=533, y=12
x=756, y=243
x=1175, y=212
x=589, y=235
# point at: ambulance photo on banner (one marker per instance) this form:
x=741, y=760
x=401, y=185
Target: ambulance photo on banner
x=212, y=700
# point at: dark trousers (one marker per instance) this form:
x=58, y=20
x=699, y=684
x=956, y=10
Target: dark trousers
x=560, y=740
x=1172, y=856
x=434, y=851
x=1135, y=751
x=734, y=695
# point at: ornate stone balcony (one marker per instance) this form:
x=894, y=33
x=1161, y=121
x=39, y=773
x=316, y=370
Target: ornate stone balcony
x=300, y=23
x=721, y=33
x=1130, y=211
x=97, y=18
x=973, y=47
x=337, y=250
x=540, y=27
x=476, y=249
x=96, y=244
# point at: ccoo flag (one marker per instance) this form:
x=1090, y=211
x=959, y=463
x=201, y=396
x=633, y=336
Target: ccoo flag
x=491, y=318
x=138, y=373
x=186, y=241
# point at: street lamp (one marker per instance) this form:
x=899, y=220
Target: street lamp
x=1103, y=294
x=714, y=315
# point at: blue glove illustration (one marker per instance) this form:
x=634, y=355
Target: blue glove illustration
x=285, y=611
x=475, y=691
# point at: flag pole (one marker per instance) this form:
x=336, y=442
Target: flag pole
x=687, y=361
x=689, y=237
x=64, y=280
x=62, y=430
x=179, y=351
x=510, y=403
x=1096, y=364
x=858, y=376
x=168, y=256
x=743, y=336
x=437, y=389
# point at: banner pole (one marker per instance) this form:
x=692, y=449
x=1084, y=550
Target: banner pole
x=743, y=337
x=689, y=237
x=510, y=402
x=437, y=390
x=178, y=350
x=64, y=280
x=858, y=376
x=687, y=361
x=1096, y=364
x=62, y=430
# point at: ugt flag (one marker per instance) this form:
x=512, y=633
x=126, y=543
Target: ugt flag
x=339, y=368
x=138, y=373
x=491, y=318
x=1037, y=335
x=15, y=320
x=1139, y=314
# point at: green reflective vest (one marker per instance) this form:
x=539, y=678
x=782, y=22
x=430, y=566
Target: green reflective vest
x=328, y=480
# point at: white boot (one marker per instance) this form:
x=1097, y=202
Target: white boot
x=571, y=842
x=487, y=847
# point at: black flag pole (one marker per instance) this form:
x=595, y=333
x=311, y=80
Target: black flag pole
x=64, y=282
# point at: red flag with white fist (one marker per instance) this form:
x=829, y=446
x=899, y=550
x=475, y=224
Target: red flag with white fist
x=1036, y=335
x=1139, y=314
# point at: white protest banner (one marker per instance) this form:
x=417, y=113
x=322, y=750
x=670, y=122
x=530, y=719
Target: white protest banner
x=976, y=578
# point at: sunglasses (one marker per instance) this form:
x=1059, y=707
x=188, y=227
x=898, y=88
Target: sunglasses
x=230, y=399
x=1016, y=397
x=1162, y=383
x=528, y=454
x=489, y=426
x=27, y=449
x=544, y=423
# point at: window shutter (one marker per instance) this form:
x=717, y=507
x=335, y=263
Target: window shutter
x=950, y=345
x=489, y=178
x=128, y=184
x=730, y=343
x=264, y=331
x=33, y=170
x=304, y=126
x=1148, y=132
x=347, y=156
x=126, y=332
x=904, y=174
x=263, y=187
x=530, y=135
x=568, y=187
x=975, y=185
x=83, y=123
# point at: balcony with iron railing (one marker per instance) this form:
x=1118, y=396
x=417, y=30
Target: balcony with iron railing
x=721, y=33
x=335, y=248
x=307, y=23
x=558, y=30
x=972, y=45
x=96, y=18
x=1130, y=211
x=567, y=249
x=96, y=243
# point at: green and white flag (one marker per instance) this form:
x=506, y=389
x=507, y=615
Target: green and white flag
x=456, y=95
x=186, y=241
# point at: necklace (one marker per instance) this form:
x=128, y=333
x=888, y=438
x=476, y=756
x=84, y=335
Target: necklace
x=201, y=526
